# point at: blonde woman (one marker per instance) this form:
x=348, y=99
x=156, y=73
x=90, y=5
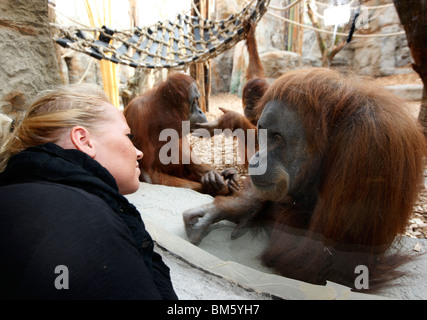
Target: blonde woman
x=67, y=231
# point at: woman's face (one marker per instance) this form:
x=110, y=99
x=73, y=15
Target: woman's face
x=116, y=152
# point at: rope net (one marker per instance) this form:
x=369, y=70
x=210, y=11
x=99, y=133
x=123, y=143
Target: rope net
x=171, y=44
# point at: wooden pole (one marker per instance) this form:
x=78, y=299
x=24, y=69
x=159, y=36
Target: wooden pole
x=133, y=6
x=201, y=71
x=207, y=64
x=108, y=69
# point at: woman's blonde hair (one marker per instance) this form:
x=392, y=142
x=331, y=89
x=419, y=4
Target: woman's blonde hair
x=52, y=112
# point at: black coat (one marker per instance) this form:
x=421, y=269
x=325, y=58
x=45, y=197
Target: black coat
x=64, y=224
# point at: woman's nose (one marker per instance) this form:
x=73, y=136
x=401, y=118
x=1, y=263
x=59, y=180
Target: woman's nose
x=139, y=154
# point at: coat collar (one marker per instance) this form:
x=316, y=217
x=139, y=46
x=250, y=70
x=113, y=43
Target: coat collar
x=49, y=162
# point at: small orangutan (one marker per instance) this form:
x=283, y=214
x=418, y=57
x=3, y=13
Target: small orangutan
x=342, y=167
x=254, y=89
x=166, y=109
x=256, y=83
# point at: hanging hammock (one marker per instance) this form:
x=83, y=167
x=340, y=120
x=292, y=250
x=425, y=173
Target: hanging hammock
x=171, y=44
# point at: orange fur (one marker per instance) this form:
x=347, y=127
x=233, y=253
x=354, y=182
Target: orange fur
x=255, y=69
x=256, y=84
x=368, y=156
x=165, y=107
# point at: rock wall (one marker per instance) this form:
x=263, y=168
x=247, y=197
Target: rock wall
x=28, y=61
x=374, y=57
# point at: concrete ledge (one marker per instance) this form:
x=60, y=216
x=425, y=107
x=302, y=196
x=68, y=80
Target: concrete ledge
x=235, y=261
x=410, y=92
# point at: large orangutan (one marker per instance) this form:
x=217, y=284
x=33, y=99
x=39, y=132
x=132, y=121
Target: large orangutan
x=343, y=166
x=159, y=114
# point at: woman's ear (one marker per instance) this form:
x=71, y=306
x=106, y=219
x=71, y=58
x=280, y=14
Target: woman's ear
x=83, y=140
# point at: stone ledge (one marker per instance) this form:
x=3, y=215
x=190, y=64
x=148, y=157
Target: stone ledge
x=235, y=263
x=410, y=92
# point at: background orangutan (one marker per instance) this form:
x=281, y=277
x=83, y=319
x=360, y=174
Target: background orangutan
x=254, y=89
x=256, y=83
x=166, y=107
x=344, y=164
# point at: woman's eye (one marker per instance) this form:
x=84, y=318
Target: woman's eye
x=130, y=136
